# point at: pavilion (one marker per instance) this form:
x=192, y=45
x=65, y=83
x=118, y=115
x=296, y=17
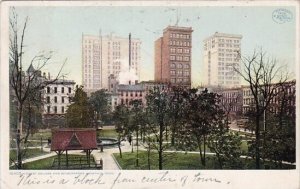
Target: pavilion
x=65, y=139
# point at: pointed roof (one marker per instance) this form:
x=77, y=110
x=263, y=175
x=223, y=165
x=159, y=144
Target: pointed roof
x=73, y=139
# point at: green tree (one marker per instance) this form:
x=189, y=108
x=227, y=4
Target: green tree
x=225, y=144
x=80, y=113
x=99, y=102
x=200, y=114
x=158, y=109
x=121, y=117
x=137, y=113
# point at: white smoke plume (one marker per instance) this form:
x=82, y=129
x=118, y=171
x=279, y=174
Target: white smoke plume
x=126, y=75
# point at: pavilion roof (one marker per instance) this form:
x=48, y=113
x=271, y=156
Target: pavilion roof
x=73, y=139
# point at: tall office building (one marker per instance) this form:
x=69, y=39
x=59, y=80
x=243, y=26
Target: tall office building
x=221, y=56
x=173, y=56
x=106, y=55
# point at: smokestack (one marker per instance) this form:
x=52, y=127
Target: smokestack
x=129, y=51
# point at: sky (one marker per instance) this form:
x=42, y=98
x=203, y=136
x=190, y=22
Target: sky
x=60, y=29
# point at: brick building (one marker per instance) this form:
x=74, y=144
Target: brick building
x=173, y=56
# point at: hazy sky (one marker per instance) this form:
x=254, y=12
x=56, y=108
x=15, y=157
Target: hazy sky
x=60, y=29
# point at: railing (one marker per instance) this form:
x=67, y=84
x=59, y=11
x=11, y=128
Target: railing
x=76, y=163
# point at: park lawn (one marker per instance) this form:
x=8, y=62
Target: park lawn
x=109, y=133
x=173, y=161
x=44, y=134
x=244, y=147
x=182, y=161
x=46, y=164
x=29, y=153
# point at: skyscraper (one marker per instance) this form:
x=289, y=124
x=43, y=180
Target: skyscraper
x=106, y=55
x=173, y=56
x=221, y=56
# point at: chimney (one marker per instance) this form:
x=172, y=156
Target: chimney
x=129, y=51
x=44, y=75
x=49, y=75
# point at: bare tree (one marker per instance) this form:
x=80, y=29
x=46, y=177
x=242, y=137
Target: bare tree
x=263, y=75
x=24, y=84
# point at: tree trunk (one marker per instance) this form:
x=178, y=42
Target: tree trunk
x=119, y=146
x=148, y=156
x=19, y=156
x=257, y=137
x=19, y=134
x=160, y=158
x=204, y=149
x=219, y=160
x=137, y=147
x=200, y=152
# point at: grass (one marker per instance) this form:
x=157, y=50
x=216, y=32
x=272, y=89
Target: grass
x=45, y=134
x=46, y=164
x=110, y=133
x=181, y=161
x=173, y=161
x=28, y=154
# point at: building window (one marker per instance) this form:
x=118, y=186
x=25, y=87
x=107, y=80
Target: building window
x=141, y=94
x=48, y=99
x=62, y=90
x=172, y=72
x=48, y=89
x=55, y=109
x=186, y=58
x=55, y=99
x=186, y=73
x=172, y=65
x=186, y=66
x=62, y=99
x=126, y=93
x=179, y=50
x=179, y=66
x=172, y=57
x=55, y=89
x=48, y=109
x=131, y=94
x=179, y=72
x=62, y=109
x=70, y=89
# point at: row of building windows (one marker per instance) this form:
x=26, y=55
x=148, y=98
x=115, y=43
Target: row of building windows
x=179, y=80
x=179, y=65
x=229, y=40
x=181, y=36
x=137, y=93
x=54, y=108
x=180, y=72
x=180, y=58
x=62, y=89
x=180, y=43
x=63, y=99
x=180, y=50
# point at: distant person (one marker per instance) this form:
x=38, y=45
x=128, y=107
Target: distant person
x=129, y=139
